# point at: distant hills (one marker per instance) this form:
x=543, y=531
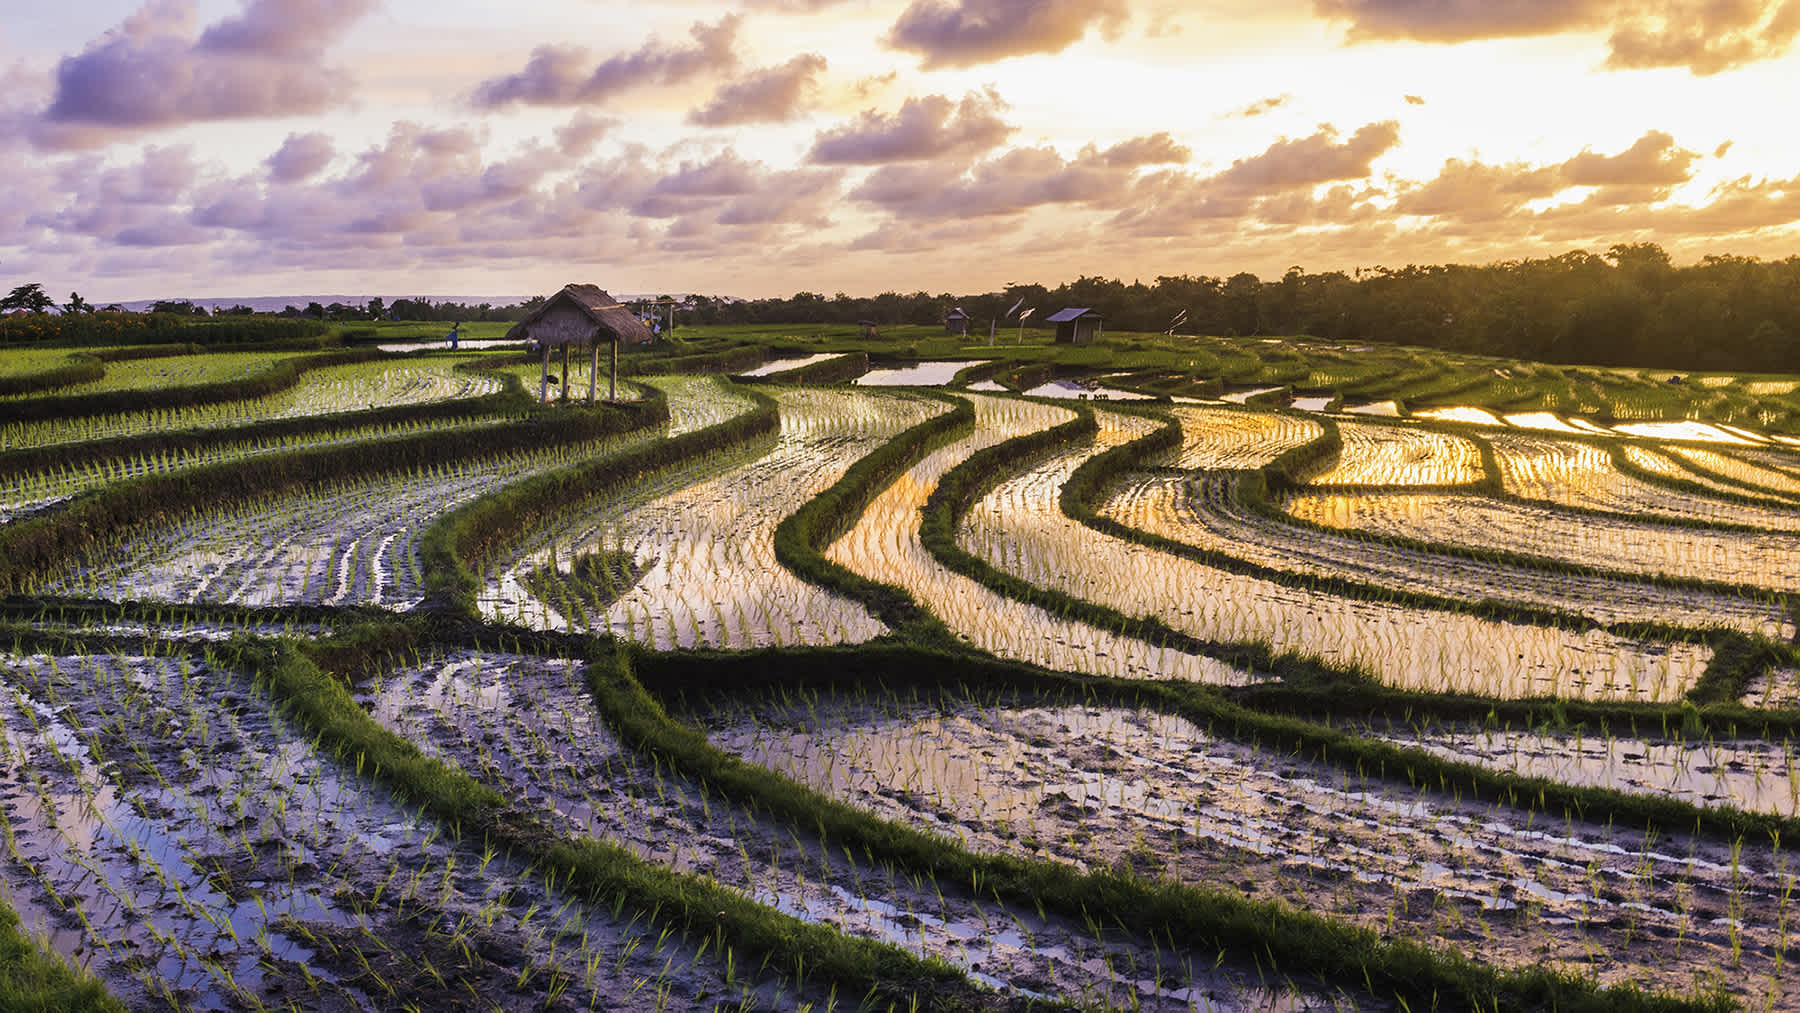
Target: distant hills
x=277, y=303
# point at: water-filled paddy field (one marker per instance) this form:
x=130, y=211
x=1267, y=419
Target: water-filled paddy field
x=886, y=694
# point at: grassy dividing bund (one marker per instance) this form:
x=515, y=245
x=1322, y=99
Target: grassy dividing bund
x=1288, y=474
x=1737, y=657
x=1747, y=497
x=478, y=529
x=1307, y=685
x=35, y=547
x=848, y=366
x=1293, y=942
x=278, y=377
x=27, y=460
x=81, y=367
x=33, y=980
x=802, y=536
x=1086, y=489
x=881, y=975
x=730, y=360
x=962, y=485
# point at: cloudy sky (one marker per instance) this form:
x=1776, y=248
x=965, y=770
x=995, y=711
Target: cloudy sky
x=246, y=147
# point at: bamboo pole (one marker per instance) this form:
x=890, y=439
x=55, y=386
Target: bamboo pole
x=563, y=395
x=593, y=370
x=544, y=380
x=612, y=385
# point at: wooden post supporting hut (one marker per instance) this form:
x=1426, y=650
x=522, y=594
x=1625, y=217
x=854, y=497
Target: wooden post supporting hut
x=580, y=315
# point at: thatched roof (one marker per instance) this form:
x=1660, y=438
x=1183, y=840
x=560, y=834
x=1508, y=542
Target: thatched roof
x=580, y=315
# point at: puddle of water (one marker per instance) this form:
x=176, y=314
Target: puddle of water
x=1389, y=409
x=1571, y=473
x=923, y=374
x=1079, y=391
x=1227, y=438
x=783, y=365
x=1244, y=396
x=1755, y=776
x=1701, y=431
x=350, y=543
x=1479, y=416
x=1541, y=420
x=1779, y=688
x=1312, y=404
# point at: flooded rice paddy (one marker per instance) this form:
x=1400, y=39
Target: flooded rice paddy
x=1761, y=559
x=527, y=726
x=170, y=830
x=885, y=545
x=1100, y=787
x=700, y=541
x=172, y=834
x=352, y=543
x=1020, y=527
x=326, y=391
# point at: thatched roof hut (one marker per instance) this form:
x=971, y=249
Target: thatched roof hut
x=580, y=315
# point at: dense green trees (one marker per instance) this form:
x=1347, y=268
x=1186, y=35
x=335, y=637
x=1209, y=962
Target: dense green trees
x=1628, y=306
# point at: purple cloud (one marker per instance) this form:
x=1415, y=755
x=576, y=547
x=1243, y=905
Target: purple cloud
x=292, y=27
x=558, y=75
x=300, y=156
x=929, y=127
x=1020, y=179
x=151, y=71
x=580, y=134
x=1319, y=158
x=1705, y=36
x=768, y=95
x=965, y=33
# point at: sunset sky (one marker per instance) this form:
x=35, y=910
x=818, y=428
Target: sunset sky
x=200, y=148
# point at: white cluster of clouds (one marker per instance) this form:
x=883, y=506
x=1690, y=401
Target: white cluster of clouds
x=97, y=186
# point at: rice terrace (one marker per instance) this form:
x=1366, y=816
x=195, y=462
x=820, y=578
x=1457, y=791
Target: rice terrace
x=840, y=666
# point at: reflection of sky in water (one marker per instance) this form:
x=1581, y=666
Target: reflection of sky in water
x=1094, y=786
x=924, y=374
x=1701, y=431
x=1020, y=527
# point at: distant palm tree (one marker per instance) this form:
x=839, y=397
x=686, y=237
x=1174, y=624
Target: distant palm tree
x=77, y=304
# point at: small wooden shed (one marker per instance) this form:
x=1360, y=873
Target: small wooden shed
x=1075, y=325
x=580, y=315
x=956, y=322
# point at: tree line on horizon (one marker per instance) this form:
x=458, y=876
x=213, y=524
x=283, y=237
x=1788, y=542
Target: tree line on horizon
x=1628, y=307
